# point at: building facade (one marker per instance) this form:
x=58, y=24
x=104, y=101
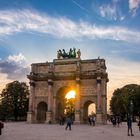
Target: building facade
x=50, y=81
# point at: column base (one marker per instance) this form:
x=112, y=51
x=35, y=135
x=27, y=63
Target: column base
x=104, y=119
x=30, y=117
x=77, y=117
x=49, y=117
x=99, y=118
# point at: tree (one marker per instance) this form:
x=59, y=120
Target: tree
x=69, y=106
x=122, y=98
x=14, y=100
x=137, y=102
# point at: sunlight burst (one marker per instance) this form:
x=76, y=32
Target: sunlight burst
x=70, y=94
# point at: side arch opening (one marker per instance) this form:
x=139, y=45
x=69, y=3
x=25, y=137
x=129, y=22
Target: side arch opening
x=42, y=108
x=89, y=110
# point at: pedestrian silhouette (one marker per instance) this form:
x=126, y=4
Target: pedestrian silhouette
x=129, y=125
x=69, y=122
x=1, y=127
x=89, y=119
x=139, y=124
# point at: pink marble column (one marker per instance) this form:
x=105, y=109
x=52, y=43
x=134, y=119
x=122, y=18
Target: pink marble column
x=99, y=115
x=77, y=104
x=50, y=95
x=98, y=94
x=31, y=96
x=49, y=116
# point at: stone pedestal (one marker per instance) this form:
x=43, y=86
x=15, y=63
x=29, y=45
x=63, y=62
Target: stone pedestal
x=30, y=117
x=104, y=119
x=77, y=117
x=99, y=119
x=49, y=117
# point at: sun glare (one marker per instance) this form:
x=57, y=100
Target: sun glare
x=70, y=94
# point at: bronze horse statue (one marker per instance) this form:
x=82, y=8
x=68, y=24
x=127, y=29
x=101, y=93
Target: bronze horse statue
x=63, y=54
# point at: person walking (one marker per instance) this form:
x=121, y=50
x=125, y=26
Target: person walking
x=114, y=121
x=129, y=125
x=93, y=120
x=139, y=124
x=1, y=127
x=89, y=119
x=60, y=120
x=118, y=121
x=69, y=122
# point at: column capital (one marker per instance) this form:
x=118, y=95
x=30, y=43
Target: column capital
x=50, y=82
x=78, y=80
x=32, y=83
x=77, y=111
x=98, y=79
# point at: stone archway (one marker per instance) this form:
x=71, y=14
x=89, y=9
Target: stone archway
x=61, y=100
x=49, y=82
x=41, y=112
x=85, y=110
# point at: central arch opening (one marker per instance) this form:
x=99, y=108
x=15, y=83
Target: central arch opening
x=70, y=103
x=65, y=102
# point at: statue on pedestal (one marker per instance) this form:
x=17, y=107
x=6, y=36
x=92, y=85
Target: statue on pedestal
x=78, y=53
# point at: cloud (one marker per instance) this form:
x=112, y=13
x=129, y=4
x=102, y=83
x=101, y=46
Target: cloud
x=16, y=58
x=14, y=67
x=3, y=81
x=108, y=11
x=111, y=11
x=133, y=6
x=61, y=27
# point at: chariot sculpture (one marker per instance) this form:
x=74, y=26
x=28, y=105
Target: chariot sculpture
x=61, y=54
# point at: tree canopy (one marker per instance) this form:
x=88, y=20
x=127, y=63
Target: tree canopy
x=126, y=100
x=14, y=102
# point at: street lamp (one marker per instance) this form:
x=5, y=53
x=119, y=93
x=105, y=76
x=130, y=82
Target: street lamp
x=131, y=107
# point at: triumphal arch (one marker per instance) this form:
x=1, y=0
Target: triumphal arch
x=50, y=81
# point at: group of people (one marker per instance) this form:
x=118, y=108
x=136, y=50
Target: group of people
x=61, y=120
x=92, y=120
x=68, y=119
x=116, y=120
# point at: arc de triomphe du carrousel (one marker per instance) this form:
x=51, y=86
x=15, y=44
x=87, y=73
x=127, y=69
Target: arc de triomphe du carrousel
x=51, y=81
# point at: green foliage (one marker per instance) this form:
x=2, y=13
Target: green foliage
x=122, y=98
x=14, y=102
x=69, y=106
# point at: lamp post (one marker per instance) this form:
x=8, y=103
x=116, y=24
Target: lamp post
x=131, y=107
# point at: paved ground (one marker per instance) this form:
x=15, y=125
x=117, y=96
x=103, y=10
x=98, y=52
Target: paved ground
x=24, y=131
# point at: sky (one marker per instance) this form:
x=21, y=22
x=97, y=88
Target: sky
x=31, y=31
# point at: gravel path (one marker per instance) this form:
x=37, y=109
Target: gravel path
x=24, y=131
